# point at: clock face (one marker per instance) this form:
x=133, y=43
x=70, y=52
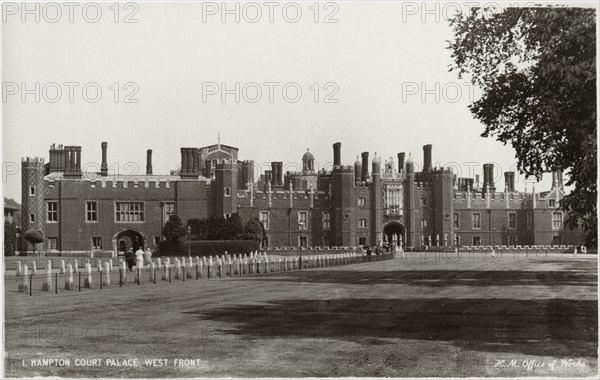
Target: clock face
x=346, y=216
x=446, y=216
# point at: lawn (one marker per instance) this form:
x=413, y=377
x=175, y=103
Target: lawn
x=405, y=317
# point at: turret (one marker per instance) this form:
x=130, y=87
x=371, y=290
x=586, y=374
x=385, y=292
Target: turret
x=32, y=182
x=337, y=154
x=400, y=162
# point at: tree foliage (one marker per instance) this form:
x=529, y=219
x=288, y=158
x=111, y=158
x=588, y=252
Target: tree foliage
x=173, y=229
x=10, y=238
x=34, y=237
x=536, y=68
x=199, y=227
x=253, y=230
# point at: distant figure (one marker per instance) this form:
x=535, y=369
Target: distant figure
x=139, y=258
x=130, y=258
x=583, y=249
x=148, y=256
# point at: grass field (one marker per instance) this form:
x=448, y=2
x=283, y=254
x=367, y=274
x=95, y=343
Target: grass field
x=412, y=317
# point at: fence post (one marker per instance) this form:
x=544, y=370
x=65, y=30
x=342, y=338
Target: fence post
x=139, y=274
x=56, y=282
x=79, y=281
x=196, y=272
x=30, y=283
x=154, y=275
x=169, y=273
x=120, y=277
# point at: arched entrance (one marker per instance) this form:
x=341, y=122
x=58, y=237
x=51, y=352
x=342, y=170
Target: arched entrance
x=126, y=239
x=394, y=233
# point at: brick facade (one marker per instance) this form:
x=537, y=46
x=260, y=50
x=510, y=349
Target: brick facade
x=347, y=206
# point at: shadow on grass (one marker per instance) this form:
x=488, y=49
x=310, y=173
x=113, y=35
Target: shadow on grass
x=555, y=327
x=437, y=278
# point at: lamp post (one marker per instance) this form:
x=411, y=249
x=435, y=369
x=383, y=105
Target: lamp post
x=189, y=232
x=300, y=225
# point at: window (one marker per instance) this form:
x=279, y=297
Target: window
x=456, y=220
x=362, y=240
x=556, y=240
x=476, y=241
x=156, y=240
x=362, y=222
x=303, y=241
x=52, y=243
x=512, y=220
x=476, y=220
x=457, y=241
x=168, y=210
x=512, y=240
x=529, y=220
x=423, y=201
x=32, y=190
x=264, y=219
x=302, y=220
x=326, y=220
x=362, y=201
x=96, y=242
x=52, y=210
x=423, y=223
x=129, y=211
x=31, y=218
x=556, y=220
x=91, y=211
x=228, y=191
x=552, y=203
x=265, y=241
x=325, y=241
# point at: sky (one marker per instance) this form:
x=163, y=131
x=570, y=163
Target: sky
x=371, y=75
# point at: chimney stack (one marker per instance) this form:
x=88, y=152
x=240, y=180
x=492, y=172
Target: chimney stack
x=149, y=162
x=401, y=156
x=104, y=166
x=427, y=158
x=337, y=158
x=488, y=178
x=509, y=180
x=559, y=179
x=280, y=173
x=365, y=167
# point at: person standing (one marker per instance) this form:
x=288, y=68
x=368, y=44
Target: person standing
x=139, y=258
x=148, y=257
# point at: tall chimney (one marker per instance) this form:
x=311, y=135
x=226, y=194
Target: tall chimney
x=509, y=180
x=488, y=178
x=184, y=161
x=337, y=158
x=280, y=173
x=401, y=156
x=104, y=166
x=427, y=158
x=559, y=179
x=149, y=162
x=365, y=167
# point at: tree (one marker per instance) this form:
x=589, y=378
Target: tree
x=216, y=227
x=33, y=237
x=199, y=227
x=253, y=230
x=10, y=238
x=233, y=228
x=173, y=229
x=536, y=68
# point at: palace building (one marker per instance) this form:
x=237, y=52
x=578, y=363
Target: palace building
x=366, y=203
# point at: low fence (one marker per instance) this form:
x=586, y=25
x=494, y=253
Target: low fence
x=69, y=277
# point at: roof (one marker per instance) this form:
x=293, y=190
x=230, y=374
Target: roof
x=93, y=176
x=308, y=156
x=11, y=204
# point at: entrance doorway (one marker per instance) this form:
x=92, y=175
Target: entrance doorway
x=394, y=233
x=128, y=239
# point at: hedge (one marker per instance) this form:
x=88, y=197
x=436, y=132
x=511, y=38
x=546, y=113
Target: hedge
x=206, y=247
